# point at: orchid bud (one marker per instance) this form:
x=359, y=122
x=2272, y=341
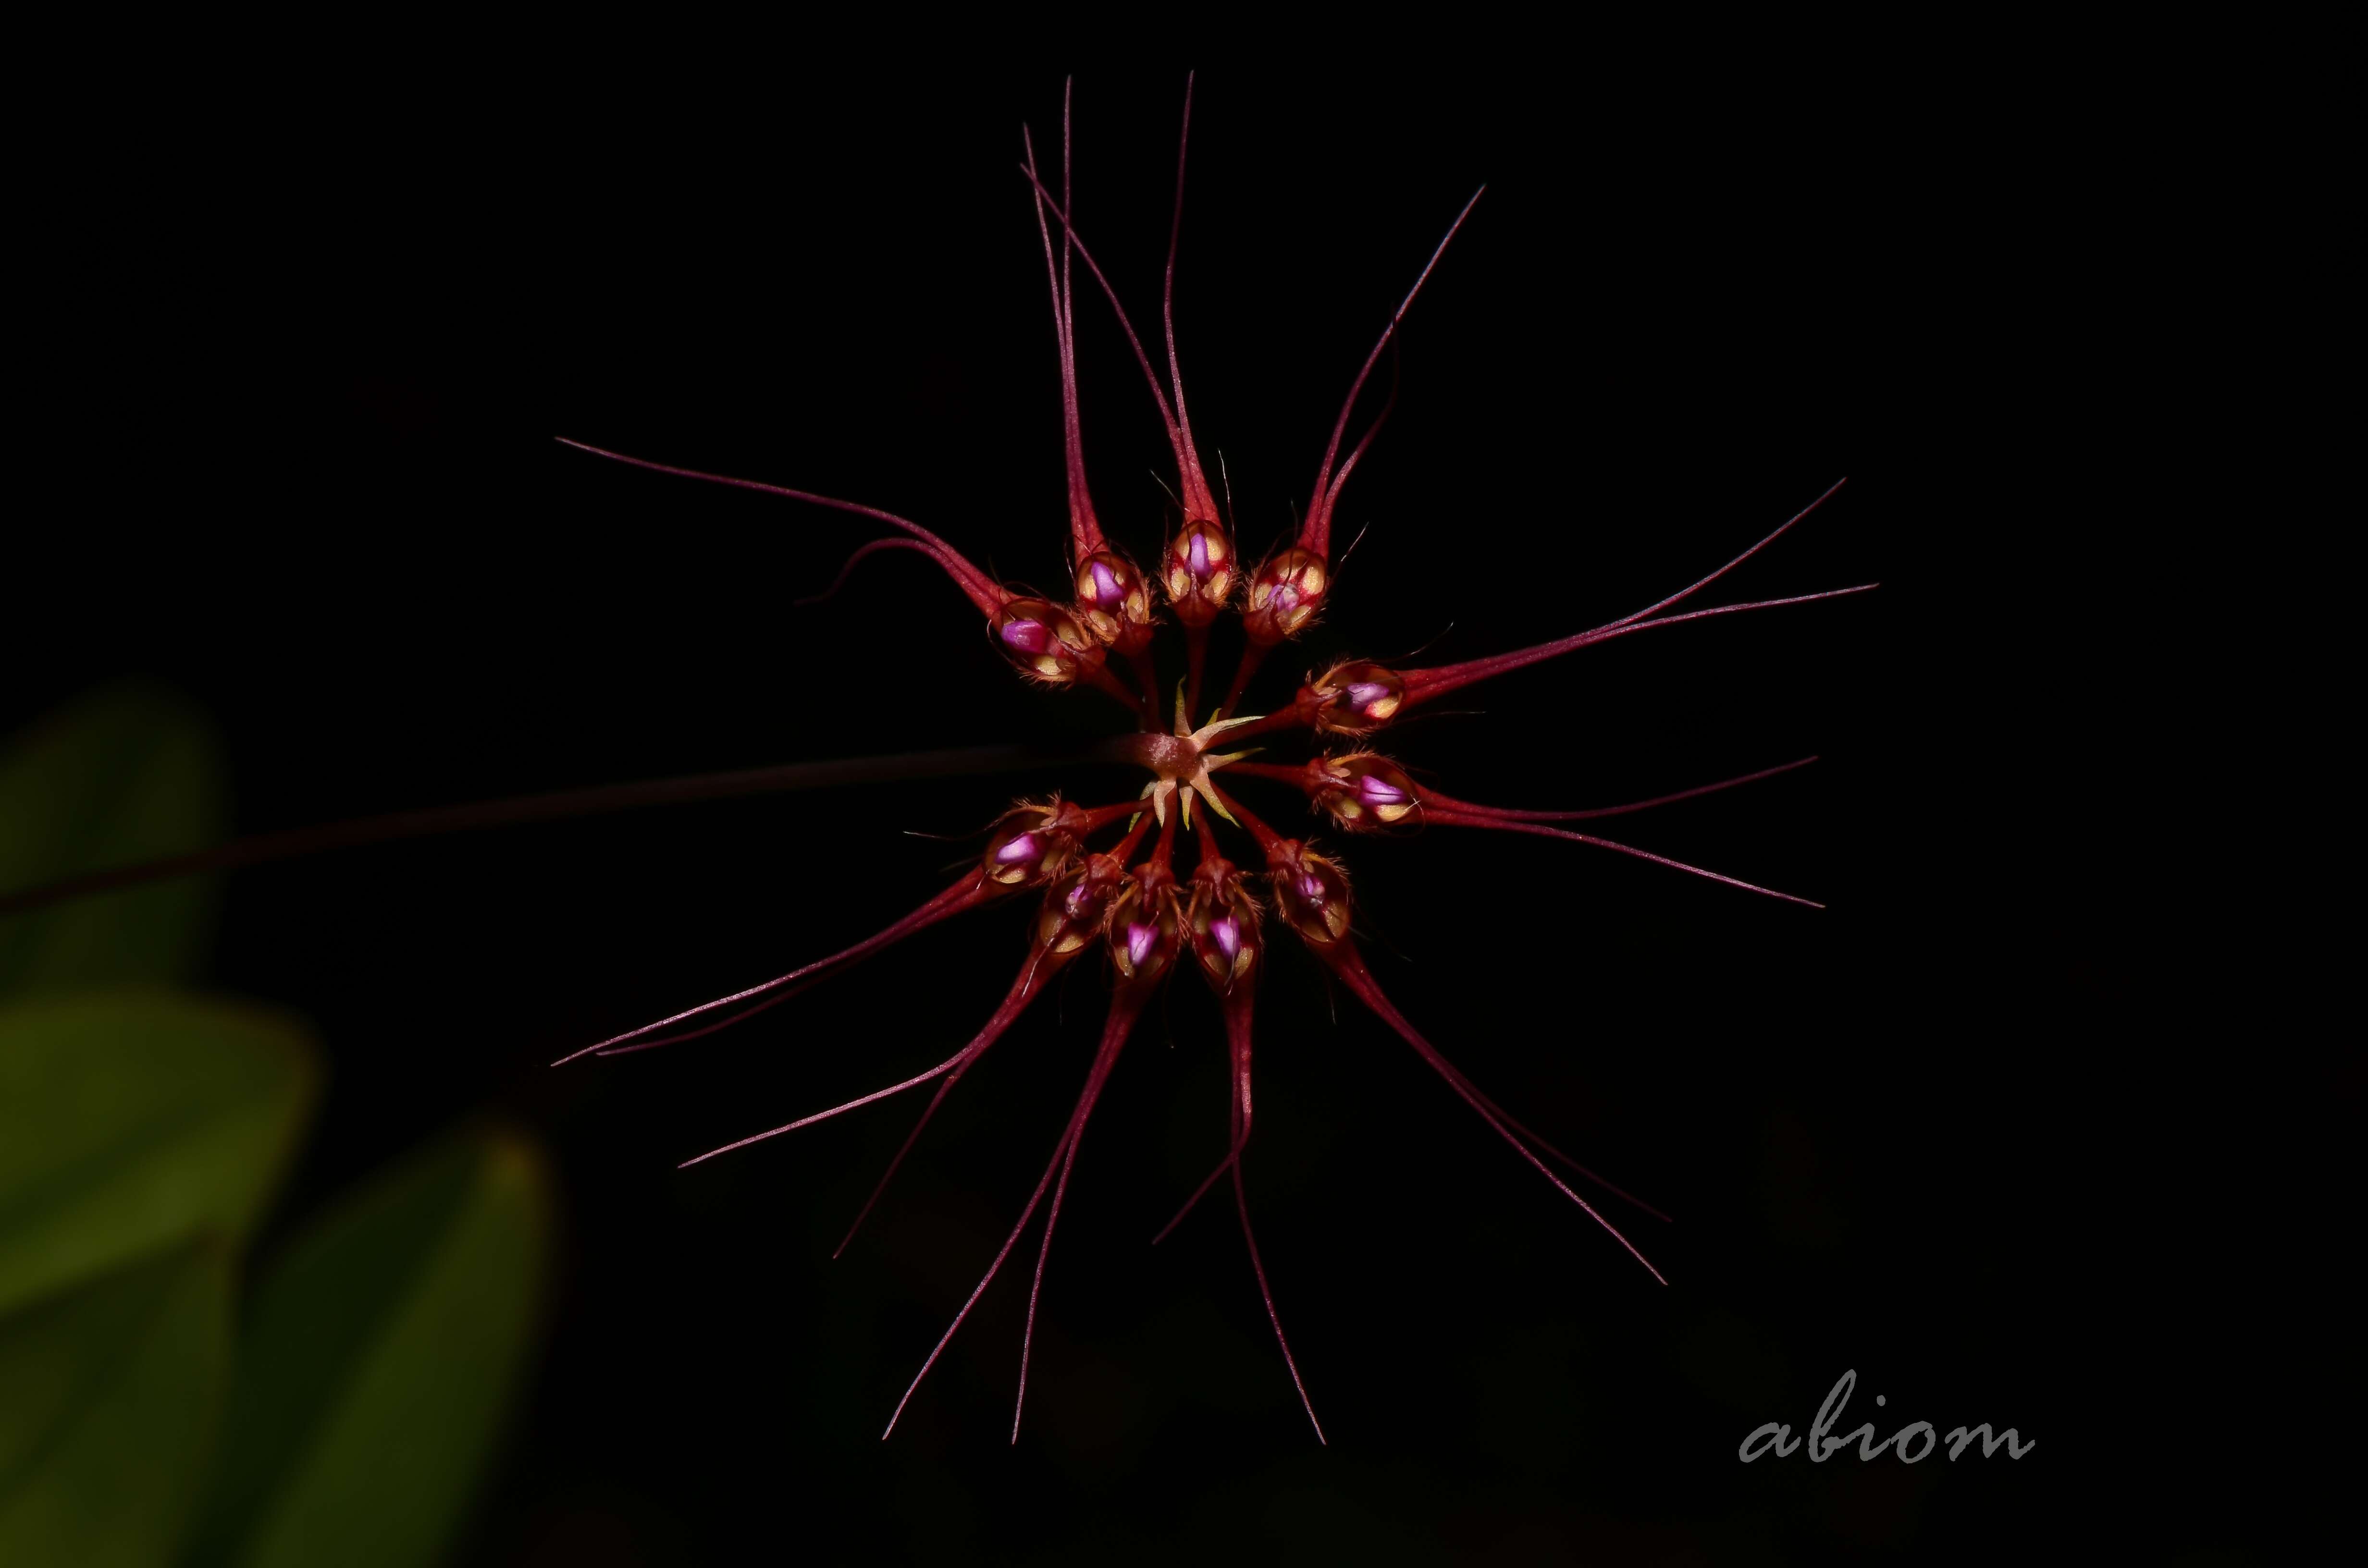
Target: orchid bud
x=1144, y=928
x=1198, y=570
x=1223, y=922
x=1354, y=698
x=1362, y=791
x=1076, y=905
x=1114, y=602
x=1034, y=842
x=1043, y=641
x=1286, y=592
x=1311, y=891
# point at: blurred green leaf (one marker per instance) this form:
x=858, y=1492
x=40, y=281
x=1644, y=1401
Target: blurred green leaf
x=123, y=774
x=108, y=1393
x=128, y=1122
x=381, y=1352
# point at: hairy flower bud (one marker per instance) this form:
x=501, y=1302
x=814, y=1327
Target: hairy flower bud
x=1113, y=601
x=1354, y=698
x=1311, y=891
x=1076, y=905
x=1198, y=570
x=1146, y=927
x=1286, y=592
x=1044, y=642
x=1034, y=842
x=1362, y=791
x=1223, y=922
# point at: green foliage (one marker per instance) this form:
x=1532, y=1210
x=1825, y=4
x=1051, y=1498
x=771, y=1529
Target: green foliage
x=108, y=1393
x=134, y=1120
x=122, y=775
x=379, y=1356
x=143, y=1133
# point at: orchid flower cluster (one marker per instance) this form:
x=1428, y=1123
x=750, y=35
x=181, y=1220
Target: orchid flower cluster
x=1150, y=918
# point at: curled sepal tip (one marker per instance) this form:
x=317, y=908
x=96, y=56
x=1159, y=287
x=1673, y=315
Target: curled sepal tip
x=981, y=589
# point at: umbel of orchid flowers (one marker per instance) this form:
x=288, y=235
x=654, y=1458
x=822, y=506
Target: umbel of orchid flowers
x=1149, y=918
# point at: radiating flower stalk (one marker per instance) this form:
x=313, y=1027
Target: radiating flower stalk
x=1150, y=918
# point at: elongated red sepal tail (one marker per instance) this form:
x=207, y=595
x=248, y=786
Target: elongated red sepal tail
x=1439, y=809
x=1428, y=686
x=1084, y=527
x=1199, y=502
x=1238, y=1115
x=968, y=894
x=1349, y=965
x=1095, y=1078
x=981, y=589
x=1126, y=1005
x=1506, y=815
x=1778, y=532
x=1316, y=531
x=1022, y=992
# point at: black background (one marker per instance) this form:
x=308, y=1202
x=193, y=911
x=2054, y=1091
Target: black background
x=307, y=369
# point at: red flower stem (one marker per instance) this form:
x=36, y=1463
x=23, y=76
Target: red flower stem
x=1295, y=717
x=1163, y=854
x=1281, y=773
x=1099, y=817
x=1344, y=962
x=1205, y=831
x=1196, y=660
x=1146, y=674
x=983, y=590
x=1267, y=837
x=559, y=805
x=1101, y=676
x=1124, y=850
x=1254, y=653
